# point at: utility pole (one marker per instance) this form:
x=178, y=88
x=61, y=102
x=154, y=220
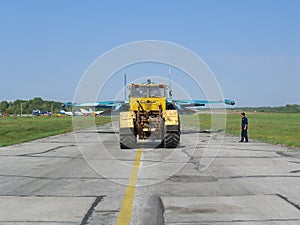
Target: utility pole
x=21, y=109
x=170, y=84
x=125, y=84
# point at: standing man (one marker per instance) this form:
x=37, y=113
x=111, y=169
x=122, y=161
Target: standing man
x=244, y=128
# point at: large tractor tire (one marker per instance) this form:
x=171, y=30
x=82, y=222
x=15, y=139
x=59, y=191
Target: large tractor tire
x=172, y=139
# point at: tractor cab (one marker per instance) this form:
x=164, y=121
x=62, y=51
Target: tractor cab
x=148, y=96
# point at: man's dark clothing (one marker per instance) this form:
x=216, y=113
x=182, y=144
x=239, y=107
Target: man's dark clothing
x=244, y=134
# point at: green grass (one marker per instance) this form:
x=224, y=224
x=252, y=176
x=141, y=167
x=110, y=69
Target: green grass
x=204, y=121
x=15, y=130
x=274, y=128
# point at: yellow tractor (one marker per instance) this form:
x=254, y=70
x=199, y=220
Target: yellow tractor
x=150, y=116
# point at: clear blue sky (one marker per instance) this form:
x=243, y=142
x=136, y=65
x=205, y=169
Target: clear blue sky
x=253, y=47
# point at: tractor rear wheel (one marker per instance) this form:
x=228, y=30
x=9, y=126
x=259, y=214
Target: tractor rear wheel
x=127, y=141
x=172, y=139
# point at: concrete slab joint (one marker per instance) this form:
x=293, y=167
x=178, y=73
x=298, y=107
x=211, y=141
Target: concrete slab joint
x=228, y=209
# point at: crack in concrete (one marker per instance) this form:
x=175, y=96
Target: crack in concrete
x=71, y=178
x=55, y=196
x=46, y=151
x=52, y=178
x=36, y=222
x=197, y=165
x=288, y=201
x=294, y=162
x=235, y=221
x=260, y=176
x=91, y=210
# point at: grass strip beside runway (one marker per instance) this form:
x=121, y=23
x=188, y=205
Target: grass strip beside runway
x=274, y=128
x=15, y=130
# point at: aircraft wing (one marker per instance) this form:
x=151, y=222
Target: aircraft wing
x=104, y=104
x=180, y=104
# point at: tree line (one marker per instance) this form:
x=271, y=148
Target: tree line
x=19, y=107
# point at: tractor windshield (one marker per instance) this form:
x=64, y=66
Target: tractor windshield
x=156, y=91
x=142, y=91
x=139, y=92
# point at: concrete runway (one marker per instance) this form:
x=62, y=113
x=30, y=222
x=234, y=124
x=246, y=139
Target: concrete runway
x=84, y=178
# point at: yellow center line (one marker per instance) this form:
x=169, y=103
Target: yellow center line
x=127, y=202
